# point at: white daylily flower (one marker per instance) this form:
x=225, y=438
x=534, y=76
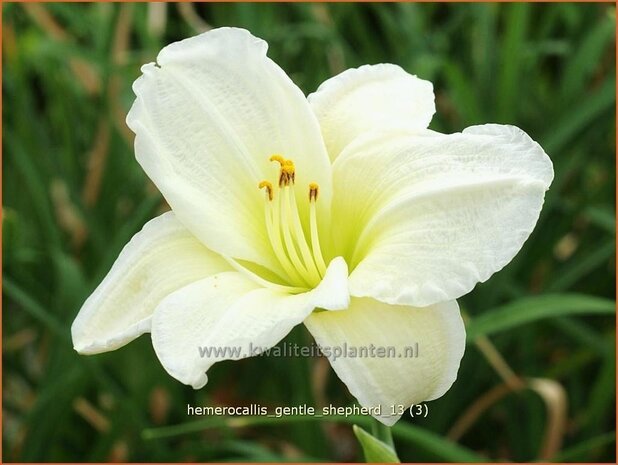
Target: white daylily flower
x=351, y=182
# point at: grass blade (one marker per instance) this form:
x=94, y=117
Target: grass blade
x=527, y=310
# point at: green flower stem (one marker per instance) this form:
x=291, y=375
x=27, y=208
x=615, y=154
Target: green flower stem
x=383, y=433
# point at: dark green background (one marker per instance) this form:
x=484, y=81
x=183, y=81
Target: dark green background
x=73, y=195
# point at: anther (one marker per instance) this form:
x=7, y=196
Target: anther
x=269, y=188
x=313, y=192
x=287, y=173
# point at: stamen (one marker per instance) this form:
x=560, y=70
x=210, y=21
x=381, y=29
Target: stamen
x=259, y=280
x=313, y=226
x=303, y=265
x=287, y=237
x=271, y=218
x=299, y=234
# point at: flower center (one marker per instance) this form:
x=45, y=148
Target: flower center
x=302, y=261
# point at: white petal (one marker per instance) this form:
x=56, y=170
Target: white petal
x=396, y=378
x=207, y=118
x=158, y=260
x=234, y=317
x=333, y=293
x=428, y=217
x=372, y=97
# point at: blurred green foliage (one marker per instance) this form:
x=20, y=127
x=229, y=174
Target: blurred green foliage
x=73, y=195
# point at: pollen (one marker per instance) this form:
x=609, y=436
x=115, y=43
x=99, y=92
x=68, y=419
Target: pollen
x=269, y=188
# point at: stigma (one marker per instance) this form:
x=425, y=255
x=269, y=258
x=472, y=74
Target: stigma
x=300, y=258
